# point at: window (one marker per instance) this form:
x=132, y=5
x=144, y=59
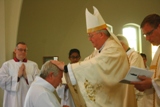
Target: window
x=132, y=33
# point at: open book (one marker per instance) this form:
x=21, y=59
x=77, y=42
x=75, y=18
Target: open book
x=133, y=74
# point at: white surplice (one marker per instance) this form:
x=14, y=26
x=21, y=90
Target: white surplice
x=41, y=94
x=65, y=95
x=15, y=92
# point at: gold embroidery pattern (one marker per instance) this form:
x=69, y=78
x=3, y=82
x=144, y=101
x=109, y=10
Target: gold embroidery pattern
x=91, y=90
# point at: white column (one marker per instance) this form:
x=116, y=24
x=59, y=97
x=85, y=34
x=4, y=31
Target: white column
x=12, y=16
x=2, y=32
x=2, y=42
x=9, y=21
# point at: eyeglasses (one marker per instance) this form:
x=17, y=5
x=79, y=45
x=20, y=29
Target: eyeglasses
x=149, y=33
x=21, y=50
x=91, y=35
x=74, y=57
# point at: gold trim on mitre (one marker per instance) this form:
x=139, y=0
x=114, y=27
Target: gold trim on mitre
x=104, y=26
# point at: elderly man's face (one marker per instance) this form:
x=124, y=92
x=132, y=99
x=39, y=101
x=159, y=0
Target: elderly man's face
x=152, y=34
x=95, y=38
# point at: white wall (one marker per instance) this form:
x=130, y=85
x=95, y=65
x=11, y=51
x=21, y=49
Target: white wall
x=2, y=32
x=2, y=41
x=52, y=28
x=12, y=16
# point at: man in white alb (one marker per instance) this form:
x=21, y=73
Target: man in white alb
x=16, y=76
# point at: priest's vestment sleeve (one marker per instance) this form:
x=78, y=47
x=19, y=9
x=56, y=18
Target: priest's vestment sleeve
x=32, y=72
x=8, y=82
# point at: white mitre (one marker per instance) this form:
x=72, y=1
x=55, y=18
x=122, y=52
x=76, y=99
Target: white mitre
x=95, y=22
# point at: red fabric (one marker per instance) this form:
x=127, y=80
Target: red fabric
x=17, y=60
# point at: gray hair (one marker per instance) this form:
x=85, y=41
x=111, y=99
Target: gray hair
x=105, y=32
x=122, y=39
x=48, y=67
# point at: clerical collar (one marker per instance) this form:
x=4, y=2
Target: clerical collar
x=128, y=49
x=17, y=60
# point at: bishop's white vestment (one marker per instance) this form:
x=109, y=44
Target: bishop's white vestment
x=98, y=77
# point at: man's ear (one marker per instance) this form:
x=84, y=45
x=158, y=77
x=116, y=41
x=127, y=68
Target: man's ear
x=50, y=74
x=102, y=35
x=15, y=50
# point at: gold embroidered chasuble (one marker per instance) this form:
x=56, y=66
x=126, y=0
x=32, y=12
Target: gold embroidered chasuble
x=99, y=75
x=76, y=95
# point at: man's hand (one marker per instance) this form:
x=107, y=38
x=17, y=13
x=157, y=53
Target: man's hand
x=21, y=70
x=59, y=64
x=24, y=74
x=144, y=84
